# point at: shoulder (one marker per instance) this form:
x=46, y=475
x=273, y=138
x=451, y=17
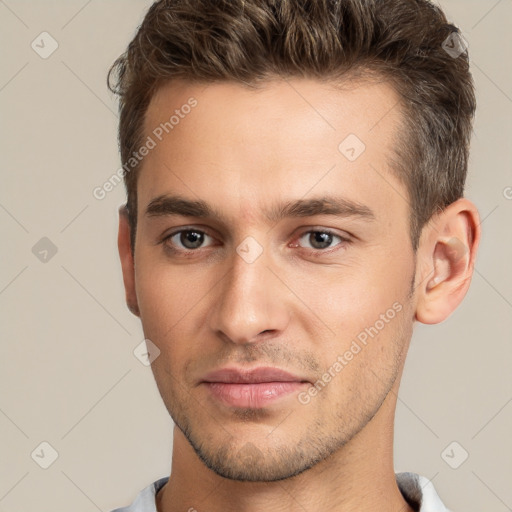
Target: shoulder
x=419, y=492
x=416, y=489
x=145, y=500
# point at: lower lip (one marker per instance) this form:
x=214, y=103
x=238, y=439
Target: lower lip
x=252, y=395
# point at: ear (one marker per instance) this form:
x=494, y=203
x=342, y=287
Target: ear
x=446, y=260
x=127, y=263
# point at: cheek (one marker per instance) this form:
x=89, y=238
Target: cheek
x=352, y=297
x=363, y=360
x=162, y=311
x=164, y=292
x=359, y=312
x=170, y=299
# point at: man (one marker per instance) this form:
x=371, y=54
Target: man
x=295, y=174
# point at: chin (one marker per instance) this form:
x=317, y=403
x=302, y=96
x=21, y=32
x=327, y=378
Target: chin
x=247, y=461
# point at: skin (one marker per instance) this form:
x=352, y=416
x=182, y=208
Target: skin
x=296, y=307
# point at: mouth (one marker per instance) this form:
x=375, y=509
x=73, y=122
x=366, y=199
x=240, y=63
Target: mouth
x=255, y=388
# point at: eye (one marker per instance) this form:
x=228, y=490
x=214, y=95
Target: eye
x=186, y=239
x=321, y=239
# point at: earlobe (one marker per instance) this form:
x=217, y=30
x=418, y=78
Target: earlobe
x=127, y=262
x=447, y=253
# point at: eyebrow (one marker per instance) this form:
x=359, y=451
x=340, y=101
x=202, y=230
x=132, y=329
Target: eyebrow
x=167, y=205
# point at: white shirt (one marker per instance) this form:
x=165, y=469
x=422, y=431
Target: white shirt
x=417, y=490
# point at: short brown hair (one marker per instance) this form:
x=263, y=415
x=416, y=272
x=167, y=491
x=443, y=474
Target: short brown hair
x=403, y=42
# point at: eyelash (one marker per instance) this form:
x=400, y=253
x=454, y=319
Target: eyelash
x=314, y=252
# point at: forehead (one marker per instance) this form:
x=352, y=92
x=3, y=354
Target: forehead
x=243, y=148
x=366, y=108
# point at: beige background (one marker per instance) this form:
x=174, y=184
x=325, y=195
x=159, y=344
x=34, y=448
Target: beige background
x=68, y=373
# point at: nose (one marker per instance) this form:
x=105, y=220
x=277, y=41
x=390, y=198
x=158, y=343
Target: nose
x=251, y=301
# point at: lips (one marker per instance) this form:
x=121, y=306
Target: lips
x=255, y=388
x=256, y=375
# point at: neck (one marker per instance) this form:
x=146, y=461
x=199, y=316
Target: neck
x=359, y=476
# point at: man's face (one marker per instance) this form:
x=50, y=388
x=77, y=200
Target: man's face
x=322, y=296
